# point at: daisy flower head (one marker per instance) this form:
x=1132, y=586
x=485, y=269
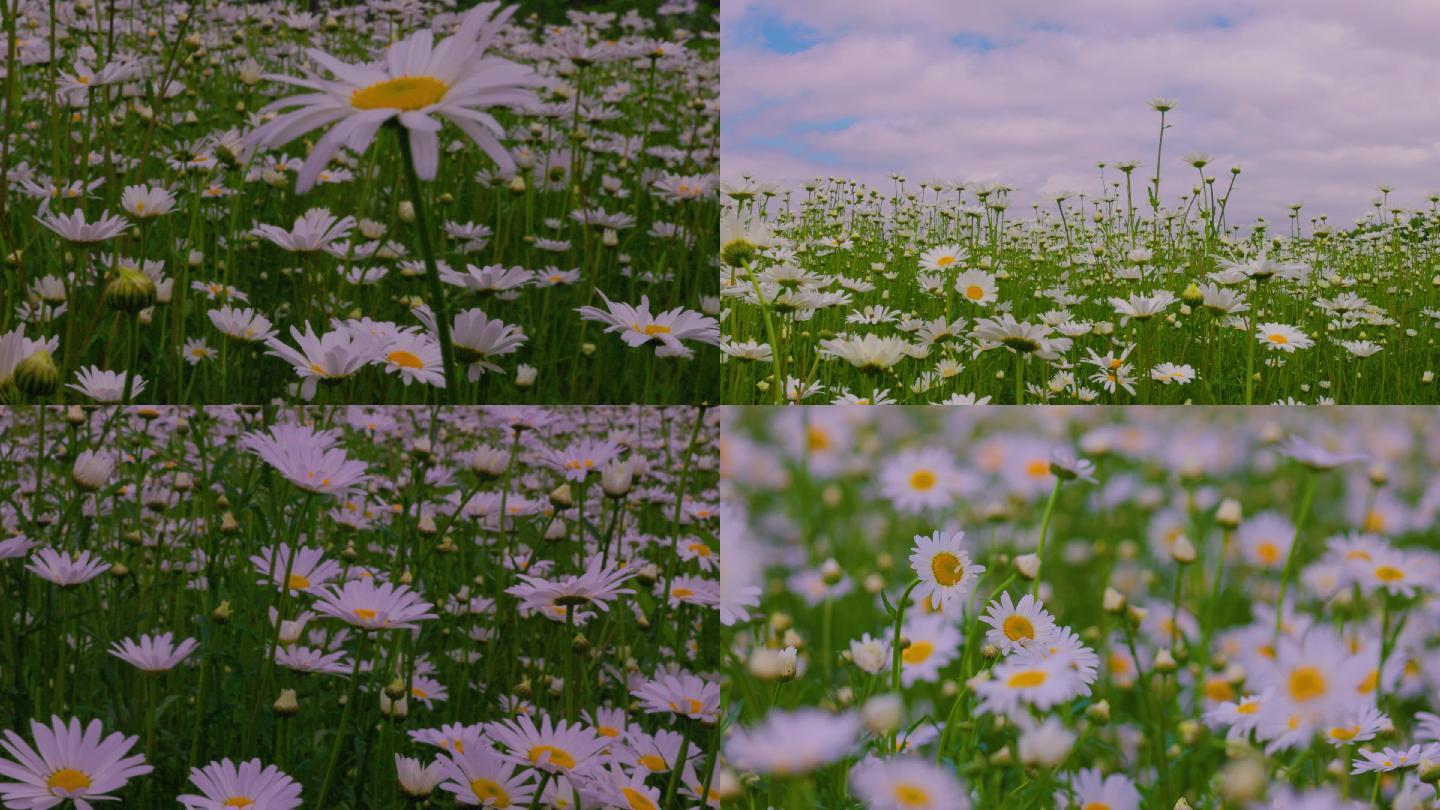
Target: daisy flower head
x=371, y=606
x=479, y=775
x=1386, y=760
x=1029, y=680
x=416, y=358
x=681, y=693
x=1361, y=725
x=944, y=568
x=555, y=748
x=68, y=762
x=1092, y=790
x=942, y=257
x=907, y=783
x=65, y=570
x=415, y=82
x=977, y=286
x=931, y=643
x=224, y=785
x=793, y=743
x=1014, y=625
x=1282, y=337
x=106, y=387
x=153, y=653
x=309, y=458
x=637, y=326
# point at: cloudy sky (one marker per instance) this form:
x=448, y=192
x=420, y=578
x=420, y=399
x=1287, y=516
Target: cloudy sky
x=1319, y=101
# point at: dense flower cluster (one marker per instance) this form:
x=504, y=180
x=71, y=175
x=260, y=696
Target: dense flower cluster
x=234, y=607
x=984, y=607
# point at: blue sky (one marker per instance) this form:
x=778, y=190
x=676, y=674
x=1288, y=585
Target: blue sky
x=1319, y=101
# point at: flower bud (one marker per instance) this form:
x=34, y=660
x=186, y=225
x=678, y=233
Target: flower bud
x=129, y=292
x=37, y=376
x=92, y=469
x=616, y=479
x=1228, y=516
x=1027, y=566
x=883, y=714
x=1182, y=550
x=286, y=705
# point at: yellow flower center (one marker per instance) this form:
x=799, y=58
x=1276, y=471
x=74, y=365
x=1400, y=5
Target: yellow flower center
x=947, y=568
x=67, y=780
x=1278, y=338
x=653, y=329
x=366, y=614
x=1095, y=806
x=299, y=582
x=1218, y=689
x=1268, y=552
x=654, y=762
x=1345, y=732
x=1307, y=683
x=908, y=795
x=1389, y=573
x=1018, y=627
x=917, y=652
x=922, y=480
x=700, y=550
x=637, y=800
x=239, y=801
x=1027, y=679
x=682, y=593
x=405, y=359
x=1248, y=708
x=558, y=756
x=404, y=93
x=974, y=292
x=1038, y=468
x=944, y=261
x=488, y=791
x=818, y=439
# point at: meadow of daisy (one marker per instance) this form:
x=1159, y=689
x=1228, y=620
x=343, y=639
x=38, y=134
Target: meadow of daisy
x=1095, y=608
x=1138, y=290
x=398, y=201
x=359, y=607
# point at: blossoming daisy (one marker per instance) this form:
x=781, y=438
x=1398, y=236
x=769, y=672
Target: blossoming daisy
x=308, y=568
x=933, y=643
x=1038, y=682
x=1386, y=760
x=1282, y=337
x=106, y=386
x=478, y=775
x=1362, y=724
x=942, y=257
x=415, y=80
x=153, y=653
x=67, y=762
x=308, y=458
x=637, y=326
x=906, y=783
x=977, y=286
x=556, y=748
x=1090, y=790
x=370, y=606
x=1013, y=626
x=65, y=570
x=1265, y=539
x=315, y=230
x=944, y=568
x=681, y=693
x=147, y=202
x=328, y=358
x=416, y=358
x=251, y=784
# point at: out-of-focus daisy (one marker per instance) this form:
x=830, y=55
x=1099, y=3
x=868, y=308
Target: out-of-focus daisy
x=793, y=743
x=309, y=458
x=915, y=480
x=906, y=783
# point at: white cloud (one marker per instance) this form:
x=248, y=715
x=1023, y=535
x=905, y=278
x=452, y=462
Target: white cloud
x=1319, y=101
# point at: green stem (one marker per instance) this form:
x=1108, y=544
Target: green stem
x=432, y=272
